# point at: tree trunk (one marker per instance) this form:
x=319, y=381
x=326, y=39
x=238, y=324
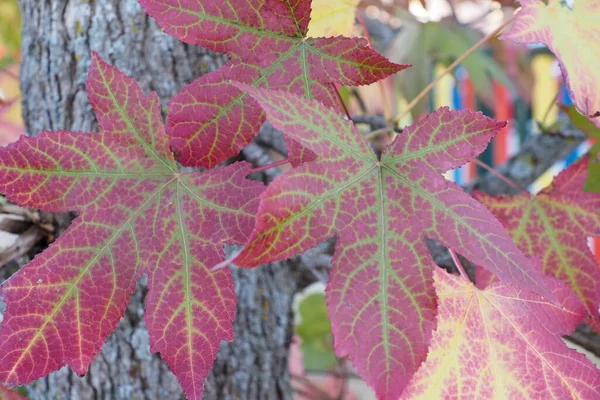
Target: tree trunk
x=58, y=36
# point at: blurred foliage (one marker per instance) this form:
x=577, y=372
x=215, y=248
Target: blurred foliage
x=425, y=45
x=10, y=31
x=11, y=124
x=585, y=125
x=593, y=182
x=314, y=328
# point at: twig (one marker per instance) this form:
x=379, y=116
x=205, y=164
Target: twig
x=499, y=176
x=13, y=209
x=269, y=166
x=377, y=132
x=25, y=242
x=451, y=67
x=374, y=121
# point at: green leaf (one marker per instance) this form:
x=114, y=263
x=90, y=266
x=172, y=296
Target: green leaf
x=314, y=328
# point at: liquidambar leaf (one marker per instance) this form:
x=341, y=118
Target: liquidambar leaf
x=379, y=296
x=572, y=33
x=211, y=120
x=138, y=215
x=503, y=343
x=332, y=18
x=554, y=226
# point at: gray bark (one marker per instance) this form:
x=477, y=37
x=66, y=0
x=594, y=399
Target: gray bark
x=58, y=36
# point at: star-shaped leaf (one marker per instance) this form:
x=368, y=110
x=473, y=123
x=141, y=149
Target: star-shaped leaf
x=379, y=296
x=503, y=343
x=554, y=226
x=138, y=215
x=211, y=120
x=572, y=33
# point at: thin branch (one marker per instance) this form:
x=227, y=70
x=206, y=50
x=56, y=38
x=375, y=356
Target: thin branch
x=377, y=132
x=500, y=176
x=450, y=68
x=269, y=166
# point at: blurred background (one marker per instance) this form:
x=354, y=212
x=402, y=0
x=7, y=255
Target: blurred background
x=517, y=83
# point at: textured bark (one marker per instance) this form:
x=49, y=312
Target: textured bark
x=58, y=36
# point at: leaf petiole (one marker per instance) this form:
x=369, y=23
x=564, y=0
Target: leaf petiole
x=459, y=265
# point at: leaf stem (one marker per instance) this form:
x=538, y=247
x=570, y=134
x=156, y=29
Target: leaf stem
x=499, y=176
x=458, y=264
x=547, y=113
x=386, y=107
x=339, y=95
x=451, y=67
x=269, y=166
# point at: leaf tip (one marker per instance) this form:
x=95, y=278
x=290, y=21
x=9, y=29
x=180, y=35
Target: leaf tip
x=97, y=62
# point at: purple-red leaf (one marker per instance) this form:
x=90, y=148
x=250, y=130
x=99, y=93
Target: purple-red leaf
x=138, y=215
x=380, y=297
x=211, y=120
x=503, y=343
x=554, y=226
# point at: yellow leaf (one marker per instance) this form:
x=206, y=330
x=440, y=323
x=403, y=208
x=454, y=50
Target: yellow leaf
x=572, y=34
x=502, y=343
x=332, y=18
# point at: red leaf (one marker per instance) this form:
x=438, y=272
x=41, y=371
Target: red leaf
x=554, y=226
x=138, y=215
x=503, y=343
x=380, y=298
x=267, y=43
